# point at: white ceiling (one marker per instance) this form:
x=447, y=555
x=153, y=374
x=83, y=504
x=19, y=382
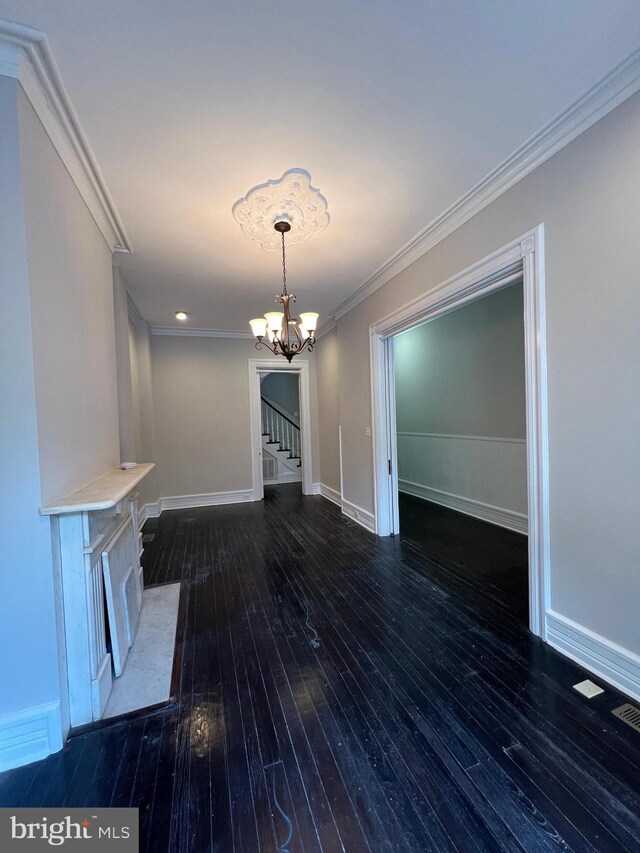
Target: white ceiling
x=395, y=108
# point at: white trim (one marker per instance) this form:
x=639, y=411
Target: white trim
x=257, y=366
x=26, y=57
x=537, y=425
x=340, y=461
x=315, y=488
x=186, y=332
x=150, y=510
x=465, y=437
x=288, y=477
x=612, y=663
x=331, y=494
x=499, y=269
x=153, y=510
x=357, y=513
x=30, y=735
x=622, y=82
x=208, y=499
x=525, y=257
x=516, y=521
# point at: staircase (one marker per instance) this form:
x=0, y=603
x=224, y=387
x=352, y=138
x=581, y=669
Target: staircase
x=281, y=460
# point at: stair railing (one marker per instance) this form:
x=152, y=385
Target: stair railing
x=281, y=429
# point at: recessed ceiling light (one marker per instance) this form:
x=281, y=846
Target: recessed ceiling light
x=181, y=315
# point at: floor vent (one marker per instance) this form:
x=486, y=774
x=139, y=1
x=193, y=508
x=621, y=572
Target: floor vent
x=148, y=537
x=629, y=715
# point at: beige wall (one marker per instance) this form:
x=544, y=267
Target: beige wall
x=126, y=422
x=328, y=373
x=463, y=374
x=70, y=285
x=587, y=197
x=282, y=389
x=144, y=426
x=59, y=425
x=135, y=388
x=28, y=662
x=201, y=414
x=460, y=408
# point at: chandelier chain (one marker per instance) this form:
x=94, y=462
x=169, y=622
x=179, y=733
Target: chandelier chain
x=284, y=265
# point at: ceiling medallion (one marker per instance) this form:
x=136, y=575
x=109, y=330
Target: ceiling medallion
x=268, y=212
x=289, y=199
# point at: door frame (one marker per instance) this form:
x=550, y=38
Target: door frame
x=301, y=369
x=521, y=258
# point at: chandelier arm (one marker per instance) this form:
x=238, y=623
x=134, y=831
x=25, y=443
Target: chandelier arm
x=262, y=343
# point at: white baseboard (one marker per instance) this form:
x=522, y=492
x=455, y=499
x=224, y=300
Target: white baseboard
x=146, y=511
x=211, y=499
x=486, y=512
x=604, y=659
x=30, y=735
x=330, y=494
x=289, y=477
x=362, y=516
x=315, y=488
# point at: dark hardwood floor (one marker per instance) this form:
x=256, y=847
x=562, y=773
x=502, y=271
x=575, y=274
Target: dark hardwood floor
x=483, y=560
x=343, y=692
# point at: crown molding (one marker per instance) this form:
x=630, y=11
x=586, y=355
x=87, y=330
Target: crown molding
x=622, y=82
x=173, y=331
x=25, y=56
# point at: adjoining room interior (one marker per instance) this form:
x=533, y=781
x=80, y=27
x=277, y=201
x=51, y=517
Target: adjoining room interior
x=461, y=444
x=319, y=464
x=280, y=423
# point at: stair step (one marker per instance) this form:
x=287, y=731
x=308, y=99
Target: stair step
x=273, y=442
x=283, y=450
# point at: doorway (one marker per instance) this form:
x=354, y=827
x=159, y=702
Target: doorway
x=284, y=436
x=461, y=447
x=280, y=421
x=522, y=259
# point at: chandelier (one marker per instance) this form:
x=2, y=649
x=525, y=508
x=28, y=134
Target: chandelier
x=278, y=330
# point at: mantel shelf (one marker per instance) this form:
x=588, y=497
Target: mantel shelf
x=103, y=493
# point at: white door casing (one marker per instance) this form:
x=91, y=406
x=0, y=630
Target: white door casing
x=301, y=369
x=521, y=258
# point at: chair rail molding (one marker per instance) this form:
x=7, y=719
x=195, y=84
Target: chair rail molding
x=26, y=57
x=619, y=84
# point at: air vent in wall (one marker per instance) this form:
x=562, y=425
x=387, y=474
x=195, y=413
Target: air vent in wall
x=269, y=468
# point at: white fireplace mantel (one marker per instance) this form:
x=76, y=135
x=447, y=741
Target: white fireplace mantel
x=90, y=526
x=103, y=493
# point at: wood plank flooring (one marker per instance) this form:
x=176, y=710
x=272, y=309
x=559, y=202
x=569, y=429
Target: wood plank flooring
x=341, y=692
x=485, y=561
